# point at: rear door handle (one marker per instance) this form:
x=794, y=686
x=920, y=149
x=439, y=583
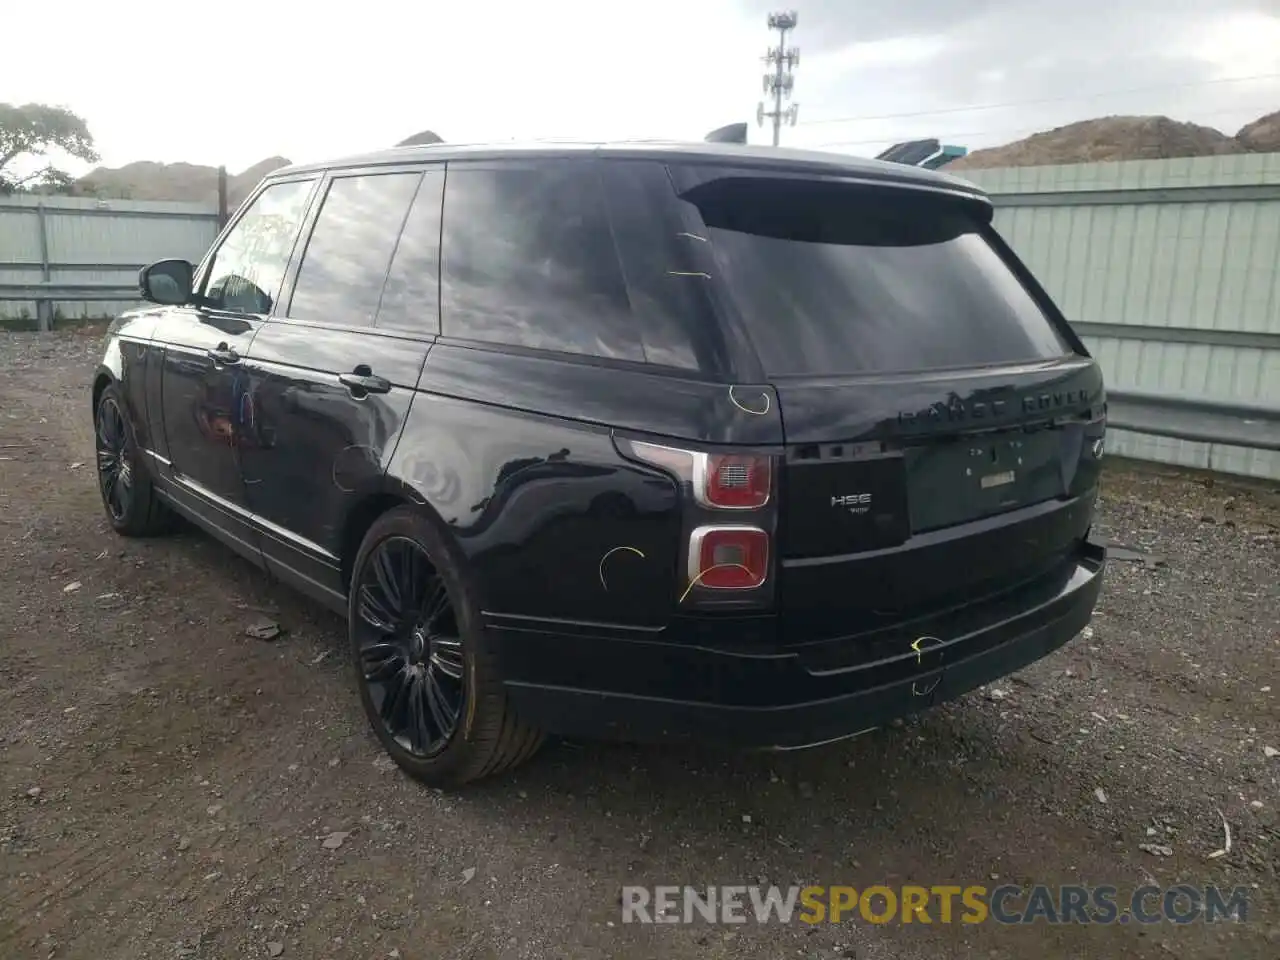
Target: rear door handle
x=361, y=382
x=223, y=354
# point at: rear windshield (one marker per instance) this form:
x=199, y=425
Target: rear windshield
x=834, y=279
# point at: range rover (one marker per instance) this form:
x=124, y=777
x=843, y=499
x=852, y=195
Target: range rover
x=642, y=441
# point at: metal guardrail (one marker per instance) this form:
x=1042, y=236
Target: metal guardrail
x=1201, y=421
x=1202, y=336
x=53, y=290
x=1241, y=192
x=46, y=294
x=113, y=208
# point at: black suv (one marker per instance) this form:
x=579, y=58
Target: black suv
x=638, y=441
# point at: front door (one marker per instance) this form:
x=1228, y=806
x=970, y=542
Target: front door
x=203, y=396
x=333, y=374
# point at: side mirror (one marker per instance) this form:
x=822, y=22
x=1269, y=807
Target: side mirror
x=167, y=282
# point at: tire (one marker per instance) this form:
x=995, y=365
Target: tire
x=128, y=496
x=419, y=664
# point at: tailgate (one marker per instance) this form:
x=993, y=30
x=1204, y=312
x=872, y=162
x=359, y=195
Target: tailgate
x=967, y=494
x=940, y=417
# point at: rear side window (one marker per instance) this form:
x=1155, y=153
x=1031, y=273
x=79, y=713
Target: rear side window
x=831, y=278
x=346, y=259
x=671, y=310
x=528, y=260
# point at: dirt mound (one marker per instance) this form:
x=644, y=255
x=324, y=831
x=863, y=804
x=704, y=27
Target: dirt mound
x=147, y=180
x=1263, y=135
x=1109, y=138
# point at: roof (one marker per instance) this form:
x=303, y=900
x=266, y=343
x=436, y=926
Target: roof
x=776, y=158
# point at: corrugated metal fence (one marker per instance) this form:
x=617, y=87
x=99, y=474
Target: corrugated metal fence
x=81, y=256
x=1170, y=270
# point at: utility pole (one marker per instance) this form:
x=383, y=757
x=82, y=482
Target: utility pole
x=780, y=81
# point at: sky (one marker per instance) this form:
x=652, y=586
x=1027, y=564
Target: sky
x=241, y=80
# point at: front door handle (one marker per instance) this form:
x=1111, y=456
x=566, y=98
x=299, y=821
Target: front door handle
x=362, y=381
x=223, y=354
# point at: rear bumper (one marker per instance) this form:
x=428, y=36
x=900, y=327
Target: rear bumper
x=679, y=684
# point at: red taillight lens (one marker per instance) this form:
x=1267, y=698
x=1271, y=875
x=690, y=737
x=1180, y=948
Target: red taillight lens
x=735, y=482
x=728, y=558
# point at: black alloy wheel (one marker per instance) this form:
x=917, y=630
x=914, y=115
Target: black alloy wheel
x=115, y=467
x=134, y=508
x=410, y=647
x=429, y=681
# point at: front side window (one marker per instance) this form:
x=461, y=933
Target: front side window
x=346, y=259
x=528, y=260
x=248, y=268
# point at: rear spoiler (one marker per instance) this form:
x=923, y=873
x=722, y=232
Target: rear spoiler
x=929, y=153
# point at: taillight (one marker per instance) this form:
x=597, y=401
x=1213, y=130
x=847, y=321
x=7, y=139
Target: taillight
x=720, y=481
x=733, y=481
x=722, y=556
x=728, y=558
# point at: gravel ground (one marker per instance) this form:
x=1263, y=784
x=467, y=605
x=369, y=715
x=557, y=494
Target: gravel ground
x=168, y=784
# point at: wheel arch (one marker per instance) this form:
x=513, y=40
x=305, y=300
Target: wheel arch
x=101, y=380
x=364, y=513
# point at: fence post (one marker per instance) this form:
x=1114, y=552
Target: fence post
x=222, y=198
x=44, y=307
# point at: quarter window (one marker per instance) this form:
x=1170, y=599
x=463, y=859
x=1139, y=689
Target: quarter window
x=667, y=286
x=247, y=269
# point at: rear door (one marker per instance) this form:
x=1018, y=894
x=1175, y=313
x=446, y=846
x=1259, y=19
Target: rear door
x=936, y=409
x=332, y=375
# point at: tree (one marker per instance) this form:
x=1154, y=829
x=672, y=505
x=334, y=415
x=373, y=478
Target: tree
x=32, y=130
